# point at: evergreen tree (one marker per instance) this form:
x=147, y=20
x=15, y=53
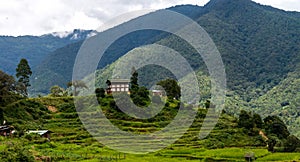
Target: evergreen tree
x=100, y=92
x=23, y=74
x=108, y=89
x=139, y=95
x=134, y=86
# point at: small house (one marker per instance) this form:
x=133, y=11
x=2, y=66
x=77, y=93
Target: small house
x=157, y=93
x=119, y=85
x=6, y=130
x=42, y=133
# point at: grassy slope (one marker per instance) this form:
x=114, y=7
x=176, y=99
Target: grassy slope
x=71, y=142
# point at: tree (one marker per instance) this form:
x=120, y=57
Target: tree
x=8, y=89
x=100, y=92
x=272, y=140
x=134, y=86
x=108, y=89
x=139, y=95
x=76, y=84
x=171, y=87
x=208, y=104
x=1, y=116
x=245, y=120
x=56, y=91
x=258, y=123
x=23, y=74
x=291, y=144
x=274, y=125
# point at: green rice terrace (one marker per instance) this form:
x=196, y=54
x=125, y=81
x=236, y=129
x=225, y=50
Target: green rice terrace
x=70, y=141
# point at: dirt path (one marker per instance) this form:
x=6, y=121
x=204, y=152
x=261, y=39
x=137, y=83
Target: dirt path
x=52, y=109
x=263, y=135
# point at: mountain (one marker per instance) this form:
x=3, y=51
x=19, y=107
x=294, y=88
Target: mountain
x=283, y=100
x=259, y=44
x=60, y=62
x=34, y=48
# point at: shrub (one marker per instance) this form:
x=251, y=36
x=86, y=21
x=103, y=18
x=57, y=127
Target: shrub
x=67, y=108
x=16, y=153
x=291, y=143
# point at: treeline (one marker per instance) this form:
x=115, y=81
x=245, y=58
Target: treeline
x=11, y=89
x=274, y=130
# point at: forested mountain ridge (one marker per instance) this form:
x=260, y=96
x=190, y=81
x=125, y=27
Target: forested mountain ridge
x=34, y=48
x=258, y=44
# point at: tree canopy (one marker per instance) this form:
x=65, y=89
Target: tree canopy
x=8, y=89
x=23, y=73
x=171, y=87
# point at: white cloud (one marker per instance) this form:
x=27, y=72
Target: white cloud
x=289, y=5
x=34, y=17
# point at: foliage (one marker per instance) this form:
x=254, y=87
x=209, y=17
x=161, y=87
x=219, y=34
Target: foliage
x=1, y=116
x=139, y=95
x=274, y=125
x=67, y=108
x=76, y=84
x=272, y=140
x=25, y=111
x=23, y=73
x=100, y=92
x=258, y=123
x=291, y=144
x=16, y=152
x=57, y=91
x=8, y=89
x=171, y=87
x=245, y=120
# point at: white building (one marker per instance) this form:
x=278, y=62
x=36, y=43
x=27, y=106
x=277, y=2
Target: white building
x=119, y=85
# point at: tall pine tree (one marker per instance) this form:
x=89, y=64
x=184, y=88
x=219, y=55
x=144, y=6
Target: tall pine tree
x=23, y=74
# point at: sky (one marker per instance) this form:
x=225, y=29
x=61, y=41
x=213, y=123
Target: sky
x=37, y=17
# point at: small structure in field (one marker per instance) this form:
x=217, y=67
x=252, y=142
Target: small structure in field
x=6, y=130
x=42, y=133
x=119, y=85
x=157, y=92
x=250, y=156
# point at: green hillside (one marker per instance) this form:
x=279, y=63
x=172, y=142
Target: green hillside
x=70, y=141
x=258, y=44
x=283, y=100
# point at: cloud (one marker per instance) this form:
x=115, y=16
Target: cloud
x=28, y=17
x=288, y=5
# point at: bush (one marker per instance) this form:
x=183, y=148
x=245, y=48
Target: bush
x=67, y=108
x=291, y=143
x=16, y=153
